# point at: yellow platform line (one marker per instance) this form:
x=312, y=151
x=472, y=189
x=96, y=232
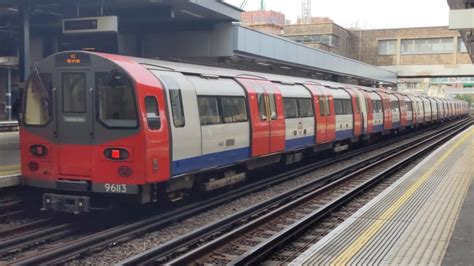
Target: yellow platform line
x=8, y=173
x=367, y=235
x=11, y=166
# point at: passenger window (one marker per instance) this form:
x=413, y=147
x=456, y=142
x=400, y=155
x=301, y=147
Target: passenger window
x=347, y=106
x=273, y=109
x=291, y=107
x=74, y=92
x=233, y=109
x=116, y=101
x=326, y=103
x=152, y=113
x=357, y=104
x=339, y=106
x=261, y=106
x=177, y=107
x=209, y=110
x=322, y=106
x=176, y=100
x=305, y=108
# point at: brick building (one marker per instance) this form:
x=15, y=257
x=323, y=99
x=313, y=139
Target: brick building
x=420, y=56
x=324, y=35
x=267, y=21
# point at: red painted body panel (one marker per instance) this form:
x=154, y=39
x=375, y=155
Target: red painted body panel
x=403, y=111
x=370, y=114
x=102, y=170
x=357, y=130
x=157, y=151
x=387, y=110
x=268, y=136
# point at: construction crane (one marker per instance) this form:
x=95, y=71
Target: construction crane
x=262, y=4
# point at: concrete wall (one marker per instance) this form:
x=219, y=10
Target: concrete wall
x=322, y=29
x=364, y=47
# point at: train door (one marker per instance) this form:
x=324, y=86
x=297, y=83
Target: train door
x=387, y=110
x=356, y=111
x=266, y=111
x=370, y=115
x=402, y=109
x=73, y=93
x=321, y=112
x=331, y=117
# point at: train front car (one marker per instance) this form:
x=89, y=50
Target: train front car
x=87, y=119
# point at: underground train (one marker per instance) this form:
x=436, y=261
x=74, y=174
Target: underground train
x=101, y=128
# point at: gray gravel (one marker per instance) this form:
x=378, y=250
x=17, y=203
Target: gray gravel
x=123, y=251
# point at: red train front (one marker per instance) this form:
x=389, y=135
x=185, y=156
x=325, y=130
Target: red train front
x=81, y=131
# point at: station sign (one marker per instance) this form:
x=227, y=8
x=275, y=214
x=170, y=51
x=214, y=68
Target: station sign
x=73, y=59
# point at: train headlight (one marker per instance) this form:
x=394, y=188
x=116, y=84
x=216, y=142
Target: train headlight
x=38, y=150
x=116, y=154
x=33, y=166
x=124, y=171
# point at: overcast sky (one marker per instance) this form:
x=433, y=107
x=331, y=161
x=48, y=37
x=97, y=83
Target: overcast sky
x=365, y=13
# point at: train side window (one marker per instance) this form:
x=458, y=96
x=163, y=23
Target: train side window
x=176, y=100
x=357, y=104
x=209, y=110
x=74, y=92
x=305, y=108
x=291, y=107
x=322, y=106
x=339, y=106
x=347, y=106
x=273, y=108
x=152, y=113
x=261, y=106
x=326, y=103
x=233, y=109
x=38, y=97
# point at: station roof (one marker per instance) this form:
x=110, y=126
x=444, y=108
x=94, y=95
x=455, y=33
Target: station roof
x=236, y=46
x=136, y=10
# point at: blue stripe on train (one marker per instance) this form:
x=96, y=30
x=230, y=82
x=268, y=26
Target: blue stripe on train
x=292, y=144
x=344, y=134
x=209, y=160
x=378, y=128
x=396, y=124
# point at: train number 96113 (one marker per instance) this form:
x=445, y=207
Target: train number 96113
x=115, y=188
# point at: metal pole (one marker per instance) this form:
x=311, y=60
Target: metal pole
x=24, y=45
x=9, y=93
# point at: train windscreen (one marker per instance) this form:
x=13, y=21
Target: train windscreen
x=37, y=100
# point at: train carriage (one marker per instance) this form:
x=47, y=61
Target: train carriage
x=99, y=129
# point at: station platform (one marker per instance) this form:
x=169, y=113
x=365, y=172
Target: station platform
x=9, y=159
x=424, y=218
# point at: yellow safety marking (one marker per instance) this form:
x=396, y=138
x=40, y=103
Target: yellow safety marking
x=9, y=167
x=8, y=173
x=365, y=237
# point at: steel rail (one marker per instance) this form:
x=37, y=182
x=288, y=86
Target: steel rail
x=194, y=238
x=128, y=231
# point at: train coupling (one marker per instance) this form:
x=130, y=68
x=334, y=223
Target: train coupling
x=65, y=203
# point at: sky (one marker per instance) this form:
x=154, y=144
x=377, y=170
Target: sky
x=367, y=14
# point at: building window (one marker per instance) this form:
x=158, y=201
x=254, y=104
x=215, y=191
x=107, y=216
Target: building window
x=327, y=39
x=461, y=46
x=387, y=47
x=427, y=46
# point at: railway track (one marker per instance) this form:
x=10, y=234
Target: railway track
x=128, y=231
x=251, y=235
